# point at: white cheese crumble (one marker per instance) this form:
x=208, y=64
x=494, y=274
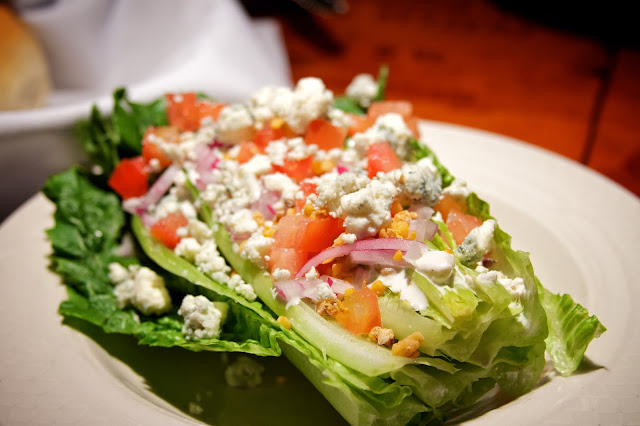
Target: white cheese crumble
x=209, y=260
x=237, y=284
x=313, y=273
x=458, y=190
x=387, y=128
x=324, y=292
x=235, y=124
x=339, y=118
x=332, y=187
x=281, y=274
x=368, y=209
x=516, y=286
x=139, y=287
x=483, y=235
x=201, y=317
x=363, y=89
x=257, y=248
x=308, y=101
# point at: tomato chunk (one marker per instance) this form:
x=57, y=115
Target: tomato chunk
x=165, y=230
x=446, y=204
x=182, y=111
x=320, y=233
x=130, y=178
x=209, y=109
x=289, y=231
x=247, y=151
x=404, y=108
x=381, y=158
x=287, y=258
x=360, y=124
x=360, y=311
x=296, y=169
x=325, y=135
x=460, y=224
x=150, y=149
x=268, y=134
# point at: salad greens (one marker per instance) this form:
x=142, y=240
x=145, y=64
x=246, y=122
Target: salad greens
x=475, y=336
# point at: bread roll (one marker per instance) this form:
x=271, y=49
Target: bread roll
x=24, y=73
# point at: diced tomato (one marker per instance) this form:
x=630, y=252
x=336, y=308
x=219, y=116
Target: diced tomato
x=165, y=230
x=186, y=112
x=268, y=134
x=151, y=151
x=307, y=189
x=404, y=108
x=296, y=169
x=182, y=111
x=460, y=224
x=412, y=124
x=320, y=233
x=130, y=178
x=305, y=235
x=360, y=124
x=325, y=135
x=359, y=311
x=289, y=231
x=247, y=151
x=287, y=258
x=209, y=109
x=381, y=158
x=446, y=203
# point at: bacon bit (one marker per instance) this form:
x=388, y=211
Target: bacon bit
x=336, y=269
x=398, y=255
x=396, y=207
x=382, y=336
x=398, y=227
x=257, y=216
x=319, y=213
x=408, y=346
x=321, y=167
x=269, y=232
x=284, y=321
x=402, y=179
x=338, y=241
x=378, y=288
x=308, y=209
x=327, y=308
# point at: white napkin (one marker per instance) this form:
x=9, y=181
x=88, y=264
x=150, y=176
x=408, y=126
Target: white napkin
x=151, y=47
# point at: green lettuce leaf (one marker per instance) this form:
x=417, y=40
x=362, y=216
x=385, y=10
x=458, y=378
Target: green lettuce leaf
x=88, y=225
x=571, y=329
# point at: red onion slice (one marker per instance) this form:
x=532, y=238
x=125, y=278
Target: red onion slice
x=394, y=244
x=140, y=205
x=383, y=258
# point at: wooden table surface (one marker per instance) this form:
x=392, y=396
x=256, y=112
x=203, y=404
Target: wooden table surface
x=476, y=64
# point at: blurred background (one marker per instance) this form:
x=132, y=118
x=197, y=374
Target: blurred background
x=561, y=75
x=563, y=78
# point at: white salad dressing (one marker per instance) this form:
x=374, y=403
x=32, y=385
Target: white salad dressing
x=436, y=265
x=400, y=284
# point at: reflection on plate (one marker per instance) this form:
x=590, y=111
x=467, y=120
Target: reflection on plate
x=580, y=228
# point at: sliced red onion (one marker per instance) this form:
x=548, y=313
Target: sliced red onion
x=361, y=276
x=147, y=220
x=338, y=286
x=371, y=244
x=383, y=258
x=301, y=288
x=341, y=169
x=423, y=212
x=264, y=204
x=139, y=205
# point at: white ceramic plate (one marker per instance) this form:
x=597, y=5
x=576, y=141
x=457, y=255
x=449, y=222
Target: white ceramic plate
x=581, y=229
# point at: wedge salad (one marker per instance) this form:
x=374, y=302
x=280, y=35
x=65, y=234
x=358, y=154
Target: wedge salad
x=313, y=225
